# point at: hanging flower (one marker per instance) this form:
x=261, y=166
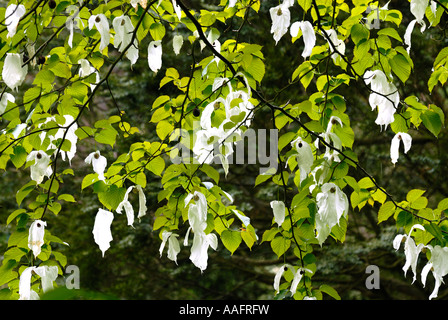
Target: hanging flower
x=123, y=35
x=178, y=41
x=13, y=14
x=102, y=25
x=411, y=250
x=48, y=275
x=418, y=9
x=6, y=97
x=155, y=55
x=36, y=236
x=73, y=21
x=173, y=245
x=101, y=229
x=281, y=18
x=337, y=46
x=86, y=70
x=309, y=37
x=332, y=204
x=98, y=162
x=384, y=96
x=177, y=9
x=395, y=145
x=70, y=136
x=13, y=73
x=199, y=249
x=127, y=207
x=279, y=274
x=438, y=264
x=279, y=210
x=41, y=166
x=305, y=158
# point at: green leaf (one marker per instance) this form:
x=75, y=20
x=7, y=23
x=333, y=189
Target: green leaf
x=231, y=240
x=157, y=31
x=386, y=210
x=401, y=67
x=156, y=166
x=24, y=191
x=432, y=121
x=211, y=172
x=414, y=195
x=280, y=245
x=330, y=291
x=112, y=197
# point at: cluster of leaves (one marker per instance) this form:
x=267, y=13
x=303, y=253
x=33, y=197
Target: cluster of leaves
x=59, y=93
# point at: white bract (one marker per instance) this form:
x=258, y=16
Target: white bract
x=411, y=250
x=36, y=236
x=309, y=37
x=6, y=97
x=128, y=207
x=13, y=14
x=337, y=46
x=86, y=70
x=101, y=229
x=48, y=275
x=13, y=73
x=124, y=30
x=178, y=41
x=281, y=19
x=332, y=205
x=418, y=8
x=173, y=245
x=438, y=264
x=279, y=211
x=395, y=145
x=384, y=96
x=102, y=25
x=98, y=162
x=155, y=55
x=304, y=157
x=73, y=21
x=41, y=166
x=197, y=217
x=70, y=136
x=298, y=275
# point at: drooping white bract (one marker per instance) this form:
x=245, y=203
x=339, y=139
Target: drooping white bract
x=173, y=245
x=86, y=70
x=48, y=275
x=102, y=25
x=384, y=96
x=6, y=97
x=41, y=166
x=127, y=207
x=332, y=204
x=13, y=14
x=36, y=236
x=197, y=217
x=418, y=8
x=309, y=37
x=305, y=158
x=438, y=264
x=98, y=162
x=177, y=9
x=73, y=21
x=232, y=3
x=101, y=229
x=279, y=274
x=411, y=250
x=178, y=41
x=155, y=55
x=329, y=137
x=123, y=36
x=281, y=19
x=142, y=209
x=13, y=73
x=395, y=145
x=337, y=46
x=70, y=136
x=298, y=275
x=279, y=210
